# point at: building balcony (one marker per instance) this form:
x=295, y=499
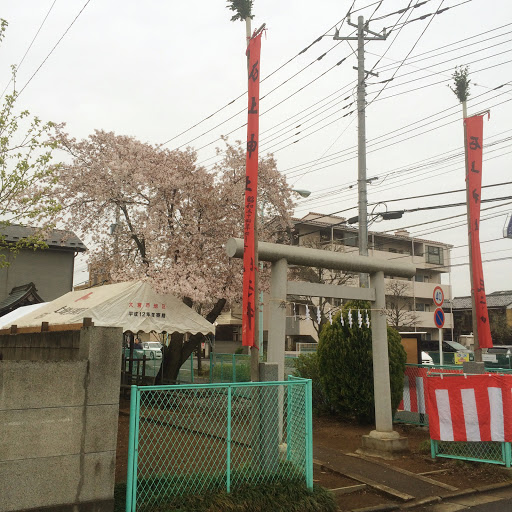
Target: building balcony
x=300, y=328
x=422, y=291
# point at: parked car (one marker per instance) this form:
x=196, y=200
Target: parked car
x=426, y=359
x=450, y=350
x=153, y=352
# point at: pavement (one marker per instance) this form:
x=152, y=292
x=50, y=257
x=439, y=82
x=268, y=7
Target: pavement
x=402, y=489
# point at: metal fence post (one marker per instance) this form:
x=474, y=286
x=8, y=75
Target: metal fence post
x=233, y=366
x=508, y=454
x=309, y=434
x=131, y=448
x=433, y=448
x=228, y=443
x=289, y=398
x=192, y=368
x=211, y=367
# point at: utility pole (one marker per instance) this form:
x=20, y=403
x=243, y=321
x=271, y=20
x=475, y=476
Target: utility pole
x=362, y=36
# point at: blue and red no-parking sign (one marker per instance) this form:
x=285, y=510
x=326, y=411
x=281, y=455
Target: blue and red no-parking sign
x=439, y=318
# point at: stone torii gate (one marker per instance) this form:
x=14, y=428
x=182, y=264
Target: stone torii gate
x=383, y=438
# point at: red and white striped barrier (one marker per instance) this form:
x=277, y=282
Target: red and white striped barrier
x=470, y=407
x=414, y=390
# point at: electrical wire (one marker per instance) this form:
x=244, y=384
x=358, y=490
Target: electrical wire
x=410, y=51
x=56, y=44
x=295, y=141
x=243, y=94
x=29, y=46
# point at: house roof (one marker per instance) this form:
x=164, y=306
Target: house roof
x=340, y=223
x=55, y=238
x=20, y=296
x=501, y=299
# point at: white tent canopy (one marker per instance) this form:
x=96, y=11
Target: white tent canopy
x=11, y=318
x=134, y=306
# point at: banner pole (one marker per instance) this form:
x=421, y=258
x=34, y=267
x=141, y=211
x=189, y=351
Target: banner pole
x=476, y=344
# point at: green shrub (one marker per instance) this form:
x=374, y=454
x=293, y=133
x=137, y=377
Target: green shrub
x=223, y=372
x=306, y=366
x=346, y=367
x=424, y=447
x=250, y=497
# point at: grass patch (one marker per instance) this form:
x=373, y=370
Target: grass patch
x=275, y=497
x=424, y=447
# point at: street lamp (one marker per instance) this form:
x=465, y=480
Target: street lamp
x=301, y=192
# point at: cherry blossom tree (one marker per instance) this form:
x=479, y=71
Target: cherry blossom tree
x=171, y=215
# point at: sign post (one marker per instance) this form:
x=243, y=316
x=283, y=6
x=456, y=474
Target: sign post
x=439, y=321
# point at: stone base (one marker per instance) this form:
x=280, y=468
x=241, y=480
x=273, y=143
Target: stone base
x=386, y=445
x=473, y=367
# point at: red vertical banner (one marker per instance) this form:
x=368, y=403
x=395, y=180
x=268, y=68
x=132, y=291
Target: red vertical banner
x=251, y=193
x=474, y=144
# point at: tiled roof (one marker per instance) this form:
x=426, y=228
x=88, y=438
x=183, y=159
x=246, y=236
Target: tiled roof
x=494, y=300
x=55, y=238
x=19, y=294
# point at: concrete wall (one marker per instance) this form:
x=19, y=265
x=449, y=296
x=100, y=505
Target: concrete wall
x=58, y=424
x=41, y=346
x=50, y=270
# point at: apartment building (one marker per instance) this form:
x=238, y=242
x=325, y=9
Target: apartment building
x=409, y=302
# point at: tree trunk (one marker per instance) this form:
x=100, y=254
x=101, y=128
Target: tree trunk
x=178, y=351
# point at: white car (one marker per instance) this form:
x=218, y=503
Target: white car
x=153, y=352
x=426, y=359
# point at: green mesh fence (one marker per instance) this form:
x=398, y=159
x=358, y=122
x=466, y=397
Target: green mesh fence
x=202, y=438
x=490, y=452
x=186, y=373
x=230, y=367
x=237, y=367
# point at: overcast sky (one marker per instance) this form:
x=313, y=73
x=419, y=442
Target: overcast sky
x=154, y=69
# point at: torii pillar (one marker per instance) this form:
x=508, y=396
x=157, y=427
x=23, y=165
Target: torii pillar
x=382, y=441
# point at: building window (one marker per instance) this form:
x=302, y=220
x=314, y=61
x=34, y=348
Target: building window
x=435, y=255
x=420, y=306
x=418, y=278
x=325, y=235
x=350, y=239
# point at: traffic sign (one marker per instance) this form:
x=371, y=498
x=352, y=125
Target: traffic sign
x=438, y=296
x=439, y=318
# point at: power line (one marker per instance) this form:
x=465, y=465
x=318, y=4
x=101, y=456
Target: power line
x=29, y=46
x=295, y=141
x=415, y=60
x=375, y=142
x=439, y=11
x=56, y=44
x=344, y=222
x=401, y=172
x=437, y=193
x=243, y=94
x=271, y=91
x=410, y=51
